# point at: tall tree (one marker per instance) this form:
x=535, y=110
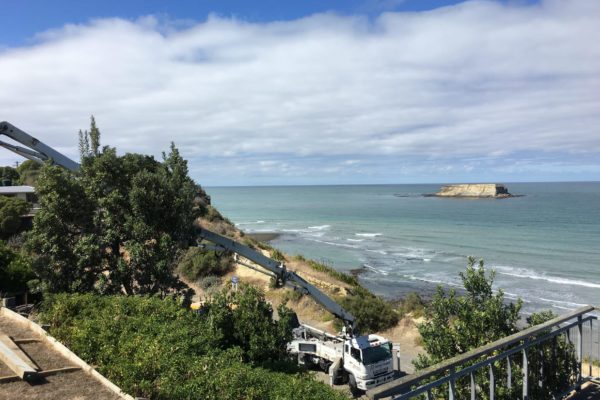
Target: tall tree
x=94, y=137
x=117, y=225
x=457, y=324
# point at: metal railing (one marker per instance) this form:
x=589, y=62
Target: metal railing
x=548, y=360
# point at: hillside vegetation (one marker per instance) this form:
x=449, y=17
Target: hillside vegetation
x=155, y=348
x=112, y=253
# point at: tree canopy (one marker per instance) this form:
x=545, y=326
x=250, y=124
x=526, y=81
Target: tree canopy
x=11, y=210
x=15, y=270
x=116, y=225
x=156, y=349
x=456, y=324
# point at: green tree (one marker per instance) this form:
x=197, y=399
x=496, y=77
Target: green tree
x=89, y=141
x=117, y=225
x=11, y=210
x=198, y=263
x=15, y=270
x=156, y=349
x=457, y=324
x=372, y=313
x=28, y=172
x=9, y=173
x=94, y=137
x=553, y=363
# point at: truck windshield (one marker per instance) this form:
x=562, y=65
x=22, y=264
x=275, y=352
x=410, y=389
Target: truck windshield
x=372, y=355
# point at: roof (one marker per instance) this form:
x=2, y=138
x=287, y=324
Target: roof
x=16, y=189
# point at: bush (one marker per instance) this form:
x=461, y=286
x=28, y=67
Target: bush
x=11, y=210
x=156, y=349
x=372, y=313
x=15, y=270
x=349, y=279
x=277, y=255
x=209, y=282
x=198, y=263
x=412, y=303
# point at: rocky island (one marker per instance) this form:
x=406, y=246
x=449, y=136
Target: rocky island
x=486, y=190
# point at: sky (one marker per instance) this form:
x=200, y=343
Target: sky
x=315, y=92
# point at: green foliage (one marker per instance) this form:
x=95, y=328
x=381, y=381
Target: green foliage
x=29, y=172
x=156, y=349
x=412, y=304
x=556, y=358
x=9, y=173
x=116, y=226
x=198, y=263
x=11, y=210
x=292, y=295
x=372, y=313
x=15, y=270
x=277, y=255
x=322, y=267
x=209, y=282
x=457, y=324
x=89, y=141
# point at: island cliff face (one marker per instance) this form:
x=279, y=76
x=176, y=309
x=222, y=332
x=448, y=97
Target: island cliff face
x=474, y=190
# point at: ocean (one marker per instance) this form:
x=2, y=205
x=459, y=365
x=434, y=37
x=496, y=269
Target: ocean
x=544, y=246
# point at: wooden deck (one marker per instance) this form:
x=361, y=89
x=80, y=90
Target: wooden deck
x=73, y=383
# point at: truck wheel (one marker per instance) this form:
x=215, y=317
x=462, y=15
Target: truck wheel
x=353, y=388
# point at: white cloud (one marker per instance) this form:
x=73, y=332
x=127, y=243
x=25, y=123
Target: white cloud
x=477, y=79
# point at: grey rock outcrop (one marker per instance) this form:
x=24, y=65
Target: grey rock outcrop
x=488, y=190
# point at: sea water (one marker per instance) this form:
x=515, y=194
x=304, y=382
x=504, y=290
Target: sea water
x=544, y=246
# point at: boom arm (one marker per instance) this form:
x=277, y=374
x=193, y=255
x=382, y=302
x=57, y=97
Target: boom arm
x=277, y=268
x=35, y=150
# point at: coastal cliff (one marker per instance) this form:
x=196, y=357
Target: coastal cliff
x=493, y=190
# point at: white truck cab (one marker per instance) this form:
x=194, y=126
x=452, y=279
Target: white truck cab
x=369, y=359
x=363, y=361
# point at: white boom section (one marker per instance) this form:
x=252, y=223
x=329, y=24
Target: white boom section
x=285, y=276
x=35, y=149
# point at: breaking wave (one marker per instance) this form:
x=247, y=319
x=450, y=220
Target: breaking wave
x=369, y=234
x=529, y=274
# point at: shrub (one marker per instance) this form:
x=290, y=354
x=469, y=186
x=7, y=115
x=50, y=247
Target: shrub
x=293, y=295
x=15, y=270
x=372, y=313
x=198, y=263
x=209, y=282
x=277, y=255
x=156, y=349
x=322, y=267
x=11, y=210
x=412, y=303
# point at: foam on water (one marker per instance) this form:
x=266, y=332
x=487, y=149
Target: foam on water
x=320, y=227
x=529, y=274
x=369, y=235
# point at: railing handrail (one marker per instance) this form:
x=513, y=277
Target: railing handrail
x=392, y=387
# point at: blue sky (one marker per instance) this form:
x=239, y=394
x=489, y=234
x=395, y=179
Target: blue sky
x=315, y=92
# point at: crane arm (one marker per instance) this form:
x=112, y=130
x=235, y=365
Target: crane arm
x=279, y=269
x=34, y=149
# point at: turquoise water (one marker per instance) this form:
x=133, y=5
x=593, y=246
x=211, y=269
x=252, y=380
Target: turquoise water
x=544, y=246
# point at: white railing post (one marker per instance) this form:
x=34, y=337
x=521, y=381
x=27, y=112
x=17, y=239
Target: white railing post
x=525, y=376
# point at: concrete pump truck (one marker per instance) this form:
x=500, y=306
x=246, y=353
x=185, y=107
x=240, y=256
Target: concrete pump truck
x=364, y=361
